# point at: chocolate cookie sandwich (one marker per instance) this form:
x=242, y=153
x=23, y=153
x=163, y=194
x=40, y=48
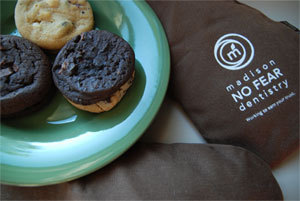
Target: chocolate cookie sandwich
x=94, y=70
x=25, y=75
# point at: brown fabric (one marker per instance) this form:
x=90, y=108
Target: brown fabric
x=256, y=106
x=167, y=172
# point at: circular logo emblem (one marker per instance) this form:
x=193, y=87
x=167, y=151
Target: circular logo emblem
x=233, y=51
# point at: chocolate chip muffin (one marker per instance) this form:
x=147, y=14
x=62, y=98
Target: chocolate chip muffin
x=94, y=70
x=25, y=75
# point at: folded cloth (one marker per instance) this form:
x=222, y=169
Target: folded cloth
x=167, y=172
x=236, y=74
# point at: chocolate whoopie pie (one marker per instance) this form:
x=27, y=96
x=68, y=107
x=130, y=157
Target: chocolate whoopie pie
x=94, y=70
x=25, y=75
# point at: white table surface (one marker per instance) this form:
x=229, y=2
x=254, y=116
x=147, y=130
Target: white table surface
x=171, y=125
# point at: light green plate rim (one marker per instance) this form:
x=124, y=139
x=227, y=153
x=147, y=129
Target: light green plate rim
x=38, y=176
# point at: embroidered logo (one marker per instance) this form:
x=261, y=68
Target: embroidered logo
x=233, y=51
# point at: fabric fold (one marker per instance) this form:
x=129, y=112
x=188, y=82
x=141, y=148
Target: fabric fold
x=167, y=172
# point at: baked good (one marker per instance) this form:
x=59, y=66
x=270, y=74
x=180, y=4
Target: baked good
x=25, y=75
x=51, y=23
x=94, y=70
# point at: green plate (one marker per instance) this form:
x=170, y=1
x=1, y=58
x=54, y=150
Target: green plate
x=60, y=143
